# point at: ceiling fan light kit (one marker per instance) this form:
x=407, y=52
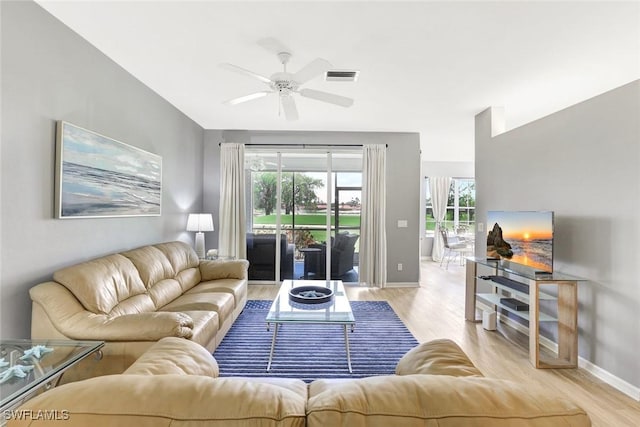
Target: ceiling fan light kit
x=286, y=84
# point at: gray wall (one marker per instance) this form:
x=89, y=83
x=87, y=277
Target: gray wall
x=403, y=184
x=49, y=73
x=584, y=164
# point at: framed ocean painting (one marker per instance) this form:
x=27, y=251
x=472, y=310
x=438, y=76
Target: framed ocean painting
x=97, y=176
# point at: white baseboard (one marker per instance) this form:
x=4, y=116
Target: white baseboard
x=606, y=376
x=402, y=285
x=602, y=374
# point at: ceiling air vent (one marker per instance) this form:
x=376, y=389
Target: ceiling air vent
x=341, y=76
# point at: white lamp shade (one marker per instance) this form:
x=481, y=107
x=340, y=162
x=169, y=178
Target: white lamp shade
x=200, y=222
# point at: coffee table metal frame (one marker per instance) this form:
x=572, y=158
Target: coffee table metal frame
x=336, y=312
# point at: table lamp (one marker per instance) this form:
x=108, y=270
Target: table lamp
x=199, y=223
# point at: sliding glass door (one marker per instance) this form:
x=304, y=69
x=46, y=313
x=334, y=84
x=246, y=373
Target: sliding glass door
x=346, y=220
x=303, y=214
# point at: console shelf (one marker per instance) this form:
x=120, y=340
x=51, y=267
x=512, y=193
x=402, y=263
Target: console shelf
x=494, y=299
x=524, y=295
x=525, y=284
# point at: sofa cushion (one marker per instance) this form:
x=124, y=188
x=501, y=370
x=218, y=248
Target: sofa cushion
x=135, y=305
x=152, y=264
x=220, y=302
x=436, y=400
x=297, y=386
x=171, y=400
x=205, y=326
x=102, y=283
x=437, y=357
x=184, y=261
x=236, y=287
x=188, y=278
x=164, y=291
x=175, y=356
x=180, y=255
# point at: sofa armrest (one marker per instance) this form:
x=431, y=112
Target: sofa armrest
x=145, y=327
x=175, y=356
x=437, y=357
x=70, y=318
x=224, y=269
x=128, y=327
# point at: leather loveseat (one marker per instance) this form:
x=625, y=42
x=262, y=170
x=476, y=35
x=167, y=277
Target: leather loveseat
x=175, y=384
x=132, y=299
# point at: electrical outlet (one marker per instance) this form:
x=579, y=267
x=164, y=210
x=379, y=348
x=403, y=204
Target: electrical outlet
x=399, y=267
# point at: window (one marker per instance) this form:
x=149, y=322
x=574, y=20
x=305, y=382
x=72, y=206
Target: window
x=461, y=207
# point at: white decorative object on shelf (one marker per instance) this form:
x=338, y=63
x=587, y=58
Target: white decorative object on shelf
x=18, y=371
x=36, y=351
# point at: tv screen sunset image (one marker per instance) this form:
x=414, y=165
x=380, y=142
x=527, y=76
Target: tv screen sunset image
x=521, y=237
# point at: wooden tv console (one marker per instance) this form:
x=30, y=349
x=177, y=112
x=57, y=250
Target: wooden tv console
x=552, y=299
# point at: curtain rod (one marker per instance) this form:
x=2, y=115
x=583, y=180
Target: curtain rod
x=307, y=145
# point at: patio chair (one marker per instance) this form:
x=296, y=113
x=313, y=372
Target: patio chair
x=453, y=248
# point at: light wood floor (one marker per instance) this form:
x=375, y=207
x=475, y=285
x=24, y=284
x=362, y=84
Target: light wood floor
x=436, y=310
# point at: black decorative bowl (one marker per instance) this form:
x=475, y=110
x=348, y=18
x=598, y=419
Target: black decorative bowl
x=310, y=294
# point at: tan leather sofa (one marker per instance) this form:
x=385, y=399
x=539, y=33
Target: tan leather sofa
x=175, y=384
x=132, y=299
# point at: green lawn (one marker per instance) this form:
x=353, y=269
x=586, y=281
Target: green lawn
x=310, y=220
x=307, y=219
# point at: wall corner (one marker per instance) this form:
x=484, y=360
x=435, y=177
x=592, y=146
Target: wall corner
x=490, y=123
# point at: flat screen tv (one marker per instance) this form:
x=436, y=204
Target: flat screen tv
x=522, y=237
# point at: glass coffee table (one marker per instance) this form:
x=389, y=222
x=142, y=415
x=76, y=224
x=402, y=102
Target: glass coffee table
x=336, y=312
x=29, y=366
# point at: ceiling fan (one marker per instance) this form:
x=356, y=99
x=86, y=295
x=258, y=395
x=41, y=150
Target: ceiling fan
x=286, y=84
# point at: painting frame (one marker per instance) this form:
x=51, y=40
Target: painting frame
x=100, y=177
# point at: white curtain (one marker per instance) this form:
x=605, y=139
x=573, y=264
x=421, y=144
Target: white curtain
x=232, y=239
x=373, y=237
x=439, y=188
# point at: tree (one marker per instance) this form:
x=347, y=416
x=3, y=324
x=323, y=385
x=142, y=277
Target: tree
x=298, y=189
x=467, y=194
x=264, y=191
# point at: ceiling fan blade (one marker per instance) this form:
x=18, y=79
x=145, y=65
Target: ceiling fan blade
x=289, y=107
x=314, y=68
x=331, y=98
x=273, y=45
x=246, y=72
x=245, y=98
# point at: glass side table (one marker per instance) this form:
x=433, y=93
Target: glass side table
x=23, y=374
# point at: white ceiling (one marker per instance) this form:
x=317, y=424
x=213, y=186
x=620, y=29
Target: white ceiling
x=426, y=67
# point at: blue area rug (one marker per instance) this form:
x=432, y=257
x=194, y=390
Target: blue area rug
x=309, y=352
